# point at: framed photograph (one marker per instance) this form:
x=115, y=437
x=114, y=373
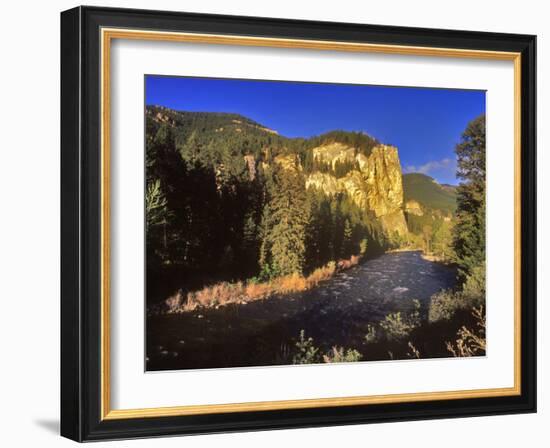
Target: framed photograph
x=275, y=224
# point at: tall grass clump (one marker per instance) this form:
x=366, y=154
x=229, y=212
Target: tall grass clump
x=339, y=354
x=321, y=274
x=290, y=283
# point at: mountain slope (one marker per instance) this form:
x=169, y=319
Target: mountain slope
x=338, y=162
x=428, y=193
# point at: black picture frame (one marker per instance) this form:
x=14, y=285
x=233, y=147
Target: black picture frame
x=81, y=224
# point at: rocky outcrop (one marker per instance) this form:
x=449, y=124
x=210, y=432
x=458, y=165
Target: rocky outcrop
x=375, y=184
x=333, y=153
x=251, y=166
x=414, y=208
x=289, y=161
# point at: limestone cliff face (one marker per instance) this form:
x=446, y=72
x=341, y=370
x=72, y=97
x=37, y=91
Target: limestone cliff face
x=375, y=184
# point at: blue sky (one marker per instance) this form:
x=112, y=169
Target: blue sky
x=424, y=124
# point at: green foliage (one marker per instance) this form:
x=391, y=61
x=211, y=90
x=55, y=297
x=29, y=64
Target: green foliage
x=446, y=303
x=306, y=352
x=363, y=143
x=432, y=233
x=474, y=286
x=469, y=231
x=155, y=204
x=438, y=204
x=286, y=216
x=397, y=326
x=338, y=228
x=442, y=240
x=363, y=246
x=428, y=193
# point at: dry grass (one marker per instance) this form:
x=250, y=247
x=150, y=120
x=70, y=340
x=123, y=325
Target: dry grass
x=321, y=274
x=290, y=283
x=225, y=293
x=175, y=302
x=218, y=294
x=257, y=291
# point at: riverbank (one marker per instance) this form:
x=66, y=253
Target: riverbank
x=436, y=258
x=339, y=312
x=426, y=256
x=224, y=293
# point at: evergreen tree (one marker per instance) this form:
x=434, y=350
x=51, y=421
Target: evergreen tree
x=469, y=231
x=285, y=222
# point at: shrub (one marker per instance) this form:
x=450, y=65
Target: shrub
x=371, y=335
x=446, y=303
x=267, y=273
x=174, y=302
x=363, y=246
x=470, y=342
x=443, y=305
x=474, y=286
x=306, y=352
x=338, y=354
x=397, y=326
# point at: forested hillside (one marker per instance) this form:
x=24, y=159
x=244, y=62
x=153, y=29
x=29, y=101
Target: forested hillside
x=430, y=211
x=427, y=192
x=229, y=199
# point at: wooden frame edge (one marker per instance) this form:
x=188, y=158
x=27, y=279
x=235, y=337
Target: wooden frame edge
x=107, y=34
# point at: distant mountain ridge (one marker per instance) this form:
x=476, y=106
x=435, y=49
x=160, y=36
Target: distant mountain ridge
x=426, y=191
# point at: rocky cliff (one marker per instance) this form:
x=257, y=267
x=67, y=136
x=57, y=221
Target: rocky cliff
x=374, y=183
x=338, y=161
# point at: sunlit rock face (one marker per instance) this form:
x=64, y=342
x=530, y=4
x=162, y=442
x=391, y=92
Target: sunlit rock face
x=334, y=152
x=414, y=208
x=289, y=162
x=375, y=183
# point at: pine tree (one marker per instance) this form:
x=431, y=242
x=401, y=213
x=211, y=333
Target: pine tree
x=284, y=223
x=469, y=231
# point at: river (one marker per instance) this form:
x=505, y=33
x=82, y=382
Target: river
x=337, y=312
